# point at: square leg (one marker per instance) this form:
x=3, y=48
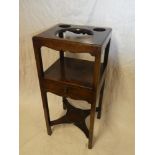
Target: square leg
x=46, y=111
x=100, y=101
x=91, y=128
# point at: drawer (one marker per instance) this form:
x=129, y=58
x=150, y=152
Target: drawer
x=55, y=87
x=66, y=90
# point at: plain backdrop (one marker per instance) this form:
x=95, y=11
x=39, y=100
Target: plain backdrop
x=115, y=131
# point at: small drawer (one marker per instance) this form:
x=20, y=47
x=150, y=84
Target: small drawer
x=55, y=87
x=65, y=90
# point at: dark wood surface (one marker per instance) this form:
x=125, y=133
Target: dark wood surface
x=73, y=71
x=92, y=44
x=98, y=35
x=75, y=116
x=73, y=78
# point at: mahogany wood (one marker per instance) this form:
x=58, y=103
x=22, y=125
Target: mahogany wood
x=73, y=78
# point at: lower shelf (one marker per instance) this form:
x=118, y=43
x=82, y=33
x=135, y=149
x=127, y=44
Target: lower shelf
x=75, y=116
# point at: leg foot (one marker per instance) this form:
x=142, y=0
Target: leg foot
x=49, y=132
x=46, y=112
x=91, y=129
x=89, y=146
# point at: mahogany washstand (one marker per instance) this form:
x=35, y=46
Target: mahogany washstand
x=74, y=78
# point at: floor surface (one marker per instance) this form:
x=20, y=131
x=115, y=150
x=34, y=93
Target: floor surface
x=113, y=133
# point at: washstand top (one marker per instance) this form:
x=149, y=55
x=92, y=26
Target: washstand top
x=90, y=35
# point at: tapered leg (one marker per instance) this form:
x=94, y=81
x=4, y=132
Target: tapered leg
x=46, y=112
x=100, y=101
x=91, y=129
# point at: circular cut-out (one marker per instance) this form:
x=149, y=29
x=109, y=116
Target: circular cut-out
x=99, y=29
x=64, y=26
x=77, y=31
